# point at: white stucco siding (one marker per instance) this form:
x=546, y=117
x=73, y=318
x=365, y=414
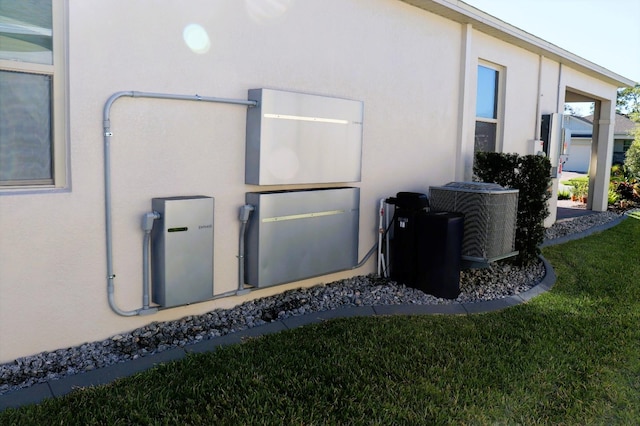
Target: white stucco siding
x=549, y=86
x=520, y=86
x=404, y=63
x=400, y=61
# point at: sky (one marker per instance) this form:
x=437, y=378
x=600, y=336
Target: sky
x=605, y=32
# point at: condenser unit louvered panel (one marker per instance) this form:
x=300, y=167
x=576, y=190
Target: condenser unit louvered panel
x=490, y=217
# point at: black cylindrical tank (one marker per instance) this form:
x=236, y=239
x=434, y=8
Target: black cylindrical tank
x=426, y=248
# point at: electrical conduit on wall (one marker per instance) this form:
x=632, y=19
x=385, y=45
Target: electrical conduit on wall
x=148, y=219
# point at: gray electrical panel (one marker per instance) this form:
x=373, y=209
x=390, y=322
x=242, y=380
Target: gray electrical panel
x=295, y=235
x=295, y=138
x=182, y=250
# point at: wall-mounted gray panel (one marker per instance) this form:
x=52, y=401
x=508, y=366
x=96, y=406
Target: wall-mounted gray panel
x=295, y=138
x=182, y=250
x=293, y=235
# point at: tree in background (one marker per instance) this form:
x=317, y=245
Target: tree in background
x=568, y=109
x=628, y=102
x=632, y=159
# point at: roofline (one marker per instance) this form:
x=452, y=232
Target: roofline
x=463, y=13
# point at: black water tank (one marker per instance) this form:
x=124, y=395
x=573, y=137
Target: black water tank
x=439, y=254
x=426, y=248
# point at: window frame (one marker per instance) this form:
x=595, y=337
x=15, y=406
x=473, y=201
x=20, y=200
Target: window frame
x=499, y=103
x=60, y=175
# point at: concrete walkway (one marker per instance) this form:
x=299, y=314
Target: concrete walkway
x=56, y=388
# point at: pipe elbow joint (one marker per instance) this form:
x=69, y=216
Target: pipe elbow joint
x=245, y=212
x=147, y=220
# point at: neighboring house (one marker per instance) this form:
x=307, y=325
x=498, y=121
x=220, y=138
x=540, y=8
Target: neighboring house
x=406, y=90
x=581, y=129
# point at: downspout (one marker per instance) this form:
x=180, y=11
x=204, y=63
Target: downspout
x=559, y=107
x=536, y=133
x=107, y=185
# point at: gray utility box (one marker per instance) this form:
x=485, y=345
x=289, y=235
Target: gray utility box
x=490, y=217
x=182, y=250
x=295, y=138
x=294, y=235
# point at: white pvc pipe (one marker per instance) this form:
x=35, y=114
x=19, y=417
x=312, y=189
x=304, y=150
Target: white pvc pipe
x=381, y=269
x=245, y=213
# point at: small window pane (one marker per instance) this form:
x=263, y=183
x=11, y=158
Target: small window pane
x=25, y=127
x=485, y=137
x=487, y=96
x=26, y=31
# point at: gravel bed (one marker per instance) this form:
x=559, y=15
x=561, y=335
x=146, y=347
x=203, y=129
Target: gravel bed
x=570, y=226
x=498, y=281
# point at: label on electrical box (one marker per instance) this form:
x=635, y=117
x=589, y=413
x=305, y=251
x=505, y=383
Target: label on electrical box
x=182, y=229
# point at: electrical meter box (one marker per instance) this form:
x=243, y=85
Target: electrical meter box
x=182, y=250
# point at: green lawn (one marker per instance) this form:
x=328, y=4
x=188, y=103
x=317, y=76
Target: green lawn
x=570, y=356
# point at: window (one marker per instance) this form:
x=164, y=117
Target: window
x=487, y=105
x=32, y=95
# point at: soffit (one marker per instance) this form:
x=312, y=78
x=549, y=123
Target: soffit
x=463, y=13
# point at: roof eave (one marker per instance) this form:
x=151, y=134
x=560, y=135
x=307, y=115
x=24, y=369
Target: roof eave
x=463, y=13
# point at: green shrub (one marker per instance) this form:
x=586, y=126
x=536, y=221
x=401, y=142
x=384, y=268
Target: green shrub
x=632, y=157
x=612, y=196
x=530, y=174
x=627, y=185
x=564, y=195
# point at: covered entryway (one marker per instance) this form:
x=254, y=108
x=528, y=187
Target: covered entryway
x=601, y=149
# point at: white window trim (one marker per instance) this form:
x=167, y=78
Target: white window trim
x=499, y=120
x=59, y=107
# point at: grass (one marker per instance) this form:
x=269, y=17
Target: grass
x=570, y=356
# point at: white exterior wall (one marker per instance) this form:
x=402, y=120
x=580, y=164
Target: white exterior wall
x=404, y=63
x=520, y=87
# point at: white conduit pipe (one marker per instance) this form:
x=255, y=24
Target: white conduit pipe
x=387, y=239
x=147, y=226
x=382, y=270
x=107, y=182
x=383, y=233
x=245, y=212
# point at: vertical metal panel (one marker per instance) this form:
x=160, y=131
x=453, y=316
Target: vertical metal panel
x=182, y=250
x=295, y=138
x=300, y=234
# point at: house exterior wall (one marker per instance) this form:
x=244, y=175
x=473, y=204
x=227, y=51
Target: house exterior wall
x=405, y=64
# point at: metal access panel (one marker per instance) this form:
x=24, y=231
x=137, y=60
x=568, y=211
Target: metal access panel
x=182, y=250
x=295, y=138
x=295, y=235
